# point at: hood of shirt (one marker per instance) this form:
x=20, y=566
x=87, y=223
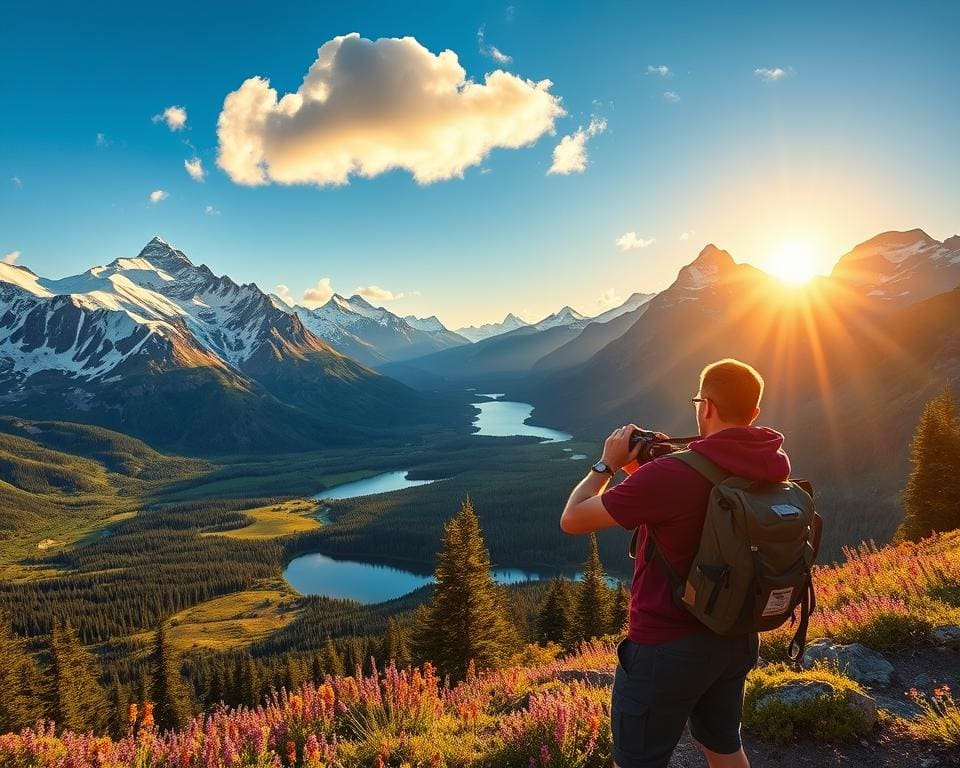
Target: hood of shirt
x=754, y=453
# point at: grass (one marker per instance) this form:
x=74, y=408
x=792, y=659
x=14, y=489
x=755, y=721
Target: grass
x=282, y=519
x=828, y=716
x=235, y=620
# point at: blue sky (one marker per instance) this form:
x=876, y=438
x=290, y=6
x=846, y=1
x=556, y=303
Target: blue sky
x=856, y=136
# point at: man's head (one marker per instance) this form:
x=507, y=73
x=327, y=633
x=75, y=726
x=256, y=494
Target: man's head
x=729, y=396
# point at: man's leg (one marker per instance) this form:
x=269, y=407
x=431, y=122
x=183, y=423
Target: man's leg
x=715, y=721
x=716, y=760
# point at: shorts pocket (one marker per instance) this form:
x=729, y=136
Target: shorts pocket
x=628, y=725
x=635, y=660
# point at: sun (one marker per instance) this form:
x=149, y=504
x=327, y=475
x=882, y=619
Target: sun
x=794, y=263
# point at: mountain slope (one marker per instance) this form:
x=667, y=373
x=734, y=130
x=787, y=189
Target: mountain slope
x=170, y=352
x=480, y=332
x=373, y=334
x=901, y=267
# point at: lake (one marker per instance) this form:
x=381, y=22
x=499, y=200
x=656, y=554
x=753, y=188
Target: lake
x=388, y=481
x=506, y=418
x=317, y=574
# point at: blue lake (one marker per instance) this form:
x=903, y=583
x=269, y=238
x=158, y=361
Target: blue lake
x=365, y=582
x=505, y=418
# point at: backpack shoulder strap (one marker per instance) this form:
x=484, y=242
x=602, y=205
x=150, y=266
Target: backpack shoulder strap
x=709, y=469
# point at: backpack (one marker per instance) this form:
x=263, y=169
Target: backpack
x=753, y=567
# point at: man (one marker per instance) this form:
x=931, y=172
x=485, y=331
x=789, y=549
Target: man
x=671, y=667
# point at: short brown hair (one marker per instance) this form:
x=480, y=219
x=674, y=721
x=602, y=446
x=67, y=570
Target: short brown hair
x=734, y=387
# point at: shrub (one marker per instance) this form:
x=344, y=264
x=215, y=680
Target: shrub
x=940, y=718
x=829, y=716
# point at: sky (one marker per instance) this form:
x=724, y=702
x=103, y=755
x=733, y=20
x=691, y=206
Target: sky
x=470, y=160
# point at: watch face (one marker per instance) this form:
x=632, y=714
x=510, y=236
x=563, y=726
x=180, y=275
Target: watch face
x=601, y=467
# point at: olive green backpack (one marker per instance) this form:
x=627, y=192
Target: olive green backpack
x=753, y=568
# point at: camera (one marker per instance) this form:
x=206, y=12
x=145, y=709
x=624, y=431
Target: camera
x=651, y=446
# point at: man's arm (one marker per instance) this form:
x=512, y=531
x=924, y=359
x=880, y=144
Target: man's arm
x=584, y=512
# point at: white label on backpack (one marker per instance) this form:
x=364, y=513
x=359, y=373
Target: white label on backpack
x=778, y=602
x=786, y=510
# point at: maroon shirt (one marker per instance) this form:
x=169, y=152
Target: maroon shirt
x=671, y=497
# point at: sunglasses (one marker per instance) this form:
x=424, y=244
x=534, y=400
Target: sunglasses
x=698, y=399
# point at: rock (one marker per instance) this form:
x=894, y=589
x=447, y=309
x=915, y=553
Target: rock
x=901, y=707
x=794, y=694
x=856, y=661
x=864, y=704
x=598, y=677
x=923, y=680
x=947, y=636
x=929, y=762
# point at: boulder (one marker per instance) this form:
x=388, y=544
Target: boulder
x=794, y=694
x=597, y=677
x=856, y=661
x=946, y=636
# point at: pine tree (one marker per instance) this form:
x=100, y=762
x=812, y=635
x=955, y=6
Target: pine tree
x=78, y=701
x=119, y=708
x=250, y=684
x=20, y=704
x=932, y=495
x=466, y=618
x=395, y=646
x=620, y=610
x=555, y=617
x=172, y=706
x=332, y=663
x=593, y=602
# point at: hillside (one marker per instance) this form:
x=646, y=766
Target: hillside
x=165, y=350
x=550, y=710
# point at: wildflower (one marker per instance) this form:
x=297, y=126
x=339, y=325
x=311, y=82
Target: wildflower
x=147, y=721
x=132, y=715
x=291, y=752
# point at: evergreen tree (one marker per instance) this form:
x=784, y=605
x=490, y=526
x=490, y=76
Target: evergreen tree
x=78, y=701
x=395, y=645
x=554, y=620
x=593, y=601
x=931, y=497
x=332, y=663
x=172, y=707
x=620, y=611
x=119, y=708
x=20, y=702
x=316, y=668
x=466, y=618
x=250, y=683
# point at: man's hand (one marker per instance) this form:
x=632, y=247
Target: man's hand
x=616, y=449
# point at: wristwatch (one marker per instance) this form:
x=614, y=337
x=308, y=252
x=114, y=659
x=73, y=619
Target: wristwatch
x=601, y=467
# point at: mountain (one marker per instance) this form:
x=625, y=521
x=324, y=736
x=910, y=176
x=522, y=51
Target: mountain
x=565, y=318
x=846, y=374
x=901, y=267
x=480, y=332
x=165, y=350
x=635, y=301
x=374, y=335
x=507, y=356
x=602, y=330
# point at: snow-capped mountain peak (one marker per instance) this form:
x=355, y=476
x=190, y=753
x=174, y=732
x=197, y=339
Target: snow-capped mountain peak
x=708, y=268
x=899, y=267
x=567, y=316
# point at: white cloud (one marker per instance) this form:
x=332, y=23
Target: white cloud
x=685, y=235
x=671, y=96
x=491, y=51
x=17, y=182
x=283, y=293
x=314, y=297
x=174, y=117
x=211, y=211
x=376, y=293
x=629, y=241
x=660, y=69
x=366, y=107
x=157, y=195
x=103, y=141
x=195, y=168
x=509, y=12
x=570, y=155
x=771, y=75
x=11, y=258
x=609, y=299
